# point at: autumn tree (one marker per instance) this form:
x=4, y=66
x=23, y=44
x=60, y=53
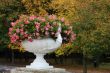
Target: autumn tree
x=92, y=29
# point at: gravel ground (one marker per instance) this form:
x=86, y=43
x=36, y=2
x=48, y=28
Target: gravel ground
x=6, y=69
x=78, y=69
x=6, y=66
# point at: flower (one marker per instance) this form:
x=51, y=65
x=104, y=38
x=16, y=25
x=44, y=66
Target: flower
x=32, y=17
x=14, y=37
x=10, y=29
x=17, y=30
x=13, y=24
x=26, y=22
x=30, y=39
x=62, y=19
x=35, y=27
x=52, y=17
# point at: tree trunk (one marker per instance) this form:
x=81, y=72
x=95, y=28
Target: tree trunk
x=84, y=64
x=12, y=57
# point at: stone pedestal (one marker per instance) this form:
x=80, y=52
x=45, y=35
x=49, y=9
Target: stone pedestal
x=28, y=70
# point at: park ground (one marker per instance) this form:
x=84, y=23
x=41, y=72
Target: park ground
x=79, y=69
x=103, y=68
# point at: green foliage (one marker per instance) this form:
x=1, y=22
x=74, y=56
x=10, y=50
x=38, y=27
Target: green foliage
x=12, y=8
x=93, y=33
x=9, y=11
x=3, y=35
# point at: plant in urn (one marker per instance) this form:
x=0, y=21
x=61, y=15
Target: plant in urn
x=40, y=35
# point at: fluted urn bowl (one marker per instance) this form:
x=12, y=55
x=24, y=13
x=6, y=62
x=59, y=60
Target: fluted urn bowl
x=40, y=47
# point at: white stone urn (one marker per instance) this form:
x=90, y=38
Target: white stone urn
x=40, y=47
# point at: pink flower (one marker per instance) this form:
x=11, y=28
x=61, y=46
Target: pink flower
x=32, y=17
x=17, y=37
x=47, y=25
x=25, y=35
x=43, y=20
x=14, y=37
x=52, y=33
x=68, y=32
x=17, y=30
x=36, y=23
x=13, y=24
x=9, y=33
x=37, y=34
x=62, y=19
x=21, y=30
x=73, y=36
x=52, y=17
x=37, y=27
x=10, y=29
x=30, y=39
x=46, y=28
x=26, y=22
x=22, y=33
x=13, y=40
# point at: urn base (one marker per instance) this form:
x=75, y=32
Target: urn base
x=34, y=67
x=51, y=70
x=39, y=63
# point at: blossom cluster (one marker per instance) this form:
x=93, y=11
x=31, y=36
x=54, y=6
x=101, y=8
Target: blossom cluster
x=37, y=27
